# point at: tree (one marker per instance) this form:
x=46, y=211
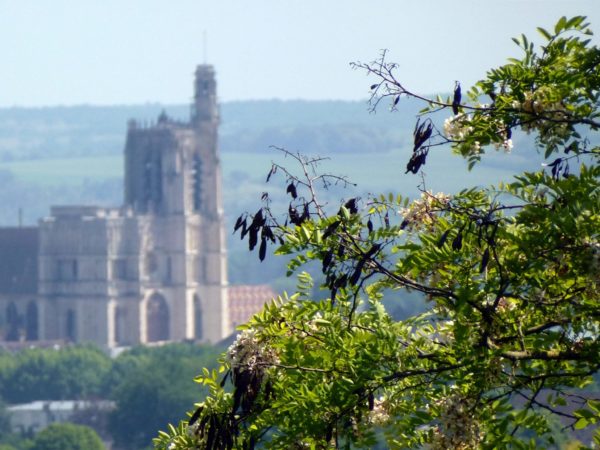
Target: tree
x=77, y=372
x=66, y=436
x=510, y=272
x=153, y=386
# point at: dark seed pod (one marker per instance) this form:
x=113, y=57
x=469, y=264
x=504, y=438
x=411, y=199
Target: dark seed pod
x=327, y=260
x=330, y=229
x=224, y=380
x=357, y=272
x=244, y=229
x=258, y=220
x=374, y=249
x=443, y=238
x=262, y=251
x=238, y=223
x=195, y=416
x=457, y=242
x=484, y=260
x=253, y=240
x=351, y=206
x=271, y=172
x=456, y=99
x=291, y=189
x=294, y=216
x=305, y=213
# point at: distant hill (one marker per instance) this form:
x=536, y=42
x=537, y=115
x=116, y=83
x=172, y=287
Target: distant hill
x=323, y=126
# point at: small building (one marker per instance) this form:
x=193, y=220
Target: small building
x=33, y=417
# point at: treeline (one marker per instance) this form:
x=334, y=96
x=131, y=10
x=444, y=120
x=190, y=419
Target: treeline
x=150, y=385
x=322, y=127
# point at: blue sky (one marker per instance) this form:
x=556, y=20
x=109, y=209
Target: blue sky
x=67, y=52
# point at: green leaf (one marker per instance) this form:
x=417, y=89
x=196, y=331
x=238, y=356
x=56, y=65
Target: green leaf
x=544, y=33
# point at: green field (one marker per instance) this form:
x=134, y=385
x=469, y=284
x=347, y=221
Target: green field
x=65, y=171
x=372, y=172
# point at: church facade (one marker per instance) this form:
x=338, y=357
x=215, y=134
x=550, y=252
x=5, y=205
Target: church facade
x=154, y=269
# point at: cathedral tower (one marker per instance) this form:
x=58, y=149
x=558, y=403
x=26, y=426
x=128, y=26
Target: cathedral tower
x=173, y=180
x=155, y=269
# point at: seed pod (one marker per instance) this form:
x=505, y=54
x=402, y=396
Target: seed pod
x=484, y=260
x=456, y=99
x=291, y=189
x=457, y=242
x=262, y=251
x=443, y=238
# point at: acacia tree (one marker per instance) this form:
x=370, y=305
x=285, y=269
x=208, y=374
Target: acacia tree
x=510, y=273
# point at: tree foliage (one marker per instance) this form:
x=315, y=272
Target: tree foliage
x=153, y=386
x=47, y=374
x=511, y=274
x=67, y=436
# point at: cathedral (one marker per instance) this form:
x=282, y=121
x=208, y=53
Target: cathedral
x=152, y=270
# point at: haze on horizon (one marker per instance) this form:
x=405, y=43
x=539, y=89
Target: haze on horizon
x=60, y=52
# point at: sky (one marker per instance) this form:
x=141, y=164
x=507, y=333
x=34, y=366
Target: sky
x=100, y=52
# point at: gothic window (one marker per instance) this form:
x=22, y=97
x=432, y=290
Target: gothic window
x=31, y=322
x=71, y=325
x=12, y=323
x=120, y=269
x=157, y=319
x=197, y=318
x=152, y=181
x=150, y=263
x=67, y=269
x=120, y=324
x=197, y=182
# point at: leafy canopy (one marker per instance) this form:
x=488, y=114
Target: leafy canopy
x=510, y=273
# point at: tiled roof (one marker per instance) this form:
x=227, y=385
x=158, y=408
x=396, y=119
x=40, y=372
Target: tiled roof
x=247, y=300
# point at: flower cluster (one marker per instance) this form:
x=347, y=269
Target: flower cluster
x=249, y=353
x=458, y=127
x=458, y=429
x=423, y=211
x=543, y=110
x=379, y=415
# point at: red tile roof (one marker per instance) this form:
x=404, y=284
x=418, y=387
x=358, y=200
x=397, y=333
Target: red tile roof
x=247, y=300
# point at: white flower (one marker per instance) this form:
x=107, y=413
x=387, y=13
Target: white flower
x=379, y=415
x=456, y=128
x=423, y=211
x=458, y=429
x=249, y=353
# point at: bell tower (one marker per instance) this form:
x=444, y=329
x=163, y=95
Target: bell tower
x=173, y=187
x=205, y=106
